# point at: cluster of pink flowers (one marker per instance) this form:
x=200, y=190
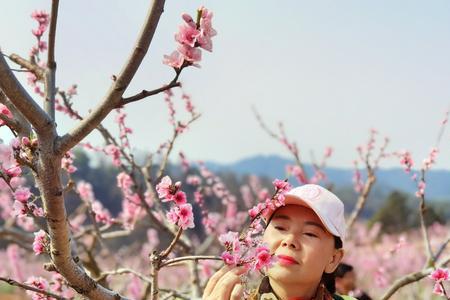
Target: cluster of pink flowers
x=43, y=19
x=22, y=207
x=246, y=251
x=271, y=204
x=123, y=129
x=131, y=203
x=39, y=283
x=291, y=146
x=181, y=213
x=40, y=242
x=246, y=248
x=439, y=276
x=297, y=172
x=406, y=160
x=190, y=36
x=67, y=162
x=61, y=106
x=5, y=112
x=358, y=183
x=430, y=160
x=114, y=152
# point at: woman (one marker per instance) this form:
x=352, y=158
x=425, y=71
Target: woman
x=306, y=237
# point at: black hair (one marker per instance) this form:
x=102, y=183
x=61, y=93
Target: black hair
x=343, y=269
x=328, y=279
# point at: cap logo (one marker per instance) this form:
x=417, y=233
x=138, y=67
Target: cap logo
x=311, y=192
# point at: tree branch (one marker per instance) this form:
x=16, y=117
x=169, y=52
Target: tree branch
x=37, y=70
x=50, y=73
x=30, y=288
x=21, y=99
x=192, y=257
x=361, y=199
x=114, y=95
x=146, y=93
x=410, y=278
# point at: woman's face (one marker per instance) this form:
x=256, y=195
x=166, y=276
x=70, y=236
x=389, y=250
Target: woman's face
x=304, y=248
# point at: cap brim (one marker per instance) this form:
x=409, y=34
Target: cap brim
x=294, y=200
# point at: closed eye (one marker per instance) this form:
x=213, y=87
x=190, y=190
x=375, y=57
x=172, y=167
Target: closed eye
x=311, y=234
x=280, y=228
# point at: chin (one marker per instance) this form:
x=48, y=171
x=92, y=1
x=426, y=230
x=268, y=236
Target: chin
x=283, y=273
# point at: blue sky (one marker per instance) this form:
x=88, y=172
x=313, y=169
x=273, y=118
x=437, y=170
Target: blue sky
x=330, y=70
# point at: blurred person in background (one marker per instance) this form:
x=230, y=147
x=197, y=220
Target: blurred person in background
x=346, y=282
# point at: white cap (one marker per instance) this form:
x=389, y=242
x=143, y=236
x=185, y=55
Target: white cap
x=327, y=206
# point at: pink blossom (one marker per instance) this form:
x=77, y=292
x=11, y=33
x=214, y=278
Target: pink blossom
x=205, y=42
x=188, y=19
x=20, y=209
x=40, y=283
x=42, y=46
x=40, y=241
x=182, y=216
x=42, y=17
x=229, y=239
x=187, y=35
x=22, y=194
x=186, y=216
x=420, y=189
x=6, y=112
x=67, y=162
x=124, y=182
x=431, y=159
x=102, y=215
x=179, y=198
x=85, y=191
x=328, y=152
x=15, y=259
x=263, y=257
x=229, y=259
x=282, y=185
x=440, y=274
x=114, y=152
x=14, y=171
x=437, y=289
x=166, y=189
x=206, y=24
x=72, y=90
x=406, y=160
x=190, y=54
x=175, y=59
x=193, y=180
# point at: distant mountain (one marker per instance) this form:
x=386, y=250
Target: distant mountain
x=272, y=166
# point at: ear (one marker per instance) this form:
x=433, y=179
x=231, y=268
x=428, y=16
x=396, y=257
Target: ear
x=334, y=261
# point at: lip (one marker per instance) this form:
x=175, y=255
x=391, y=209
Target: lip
x=286, y=260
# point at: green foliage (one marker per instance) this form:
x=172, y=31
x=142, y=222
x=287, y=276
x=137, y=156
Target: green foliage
x=400, y=212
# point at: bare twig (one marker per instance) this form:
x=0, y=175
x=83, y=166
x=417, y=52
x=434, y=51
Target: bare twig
x=362, y=198
x=50, y=72
x=31, y=288
x=22, y=100
x=145, y=94
x=191, y=257
x=163, y=164
x=37, y=70
x=121, y=271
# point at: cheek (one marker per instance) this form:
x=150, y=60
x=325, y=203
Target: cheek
x=270, y=238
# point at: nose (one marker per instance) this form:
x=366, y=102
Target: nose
x=290, y=241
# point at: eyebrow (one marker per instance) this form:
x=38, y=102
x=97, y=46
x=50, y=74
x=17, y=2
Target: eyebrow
x=312, y=223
